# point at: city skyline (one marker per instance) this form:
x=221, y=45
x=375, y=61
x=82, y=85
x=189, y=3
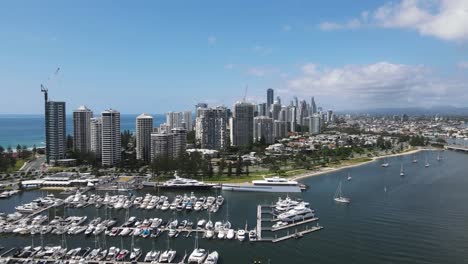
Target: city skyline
x=367, y=52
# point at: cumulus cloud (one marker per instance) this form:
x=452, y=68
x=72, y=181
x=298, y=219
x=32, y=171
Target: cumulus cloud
x=382, y=84
x=443, y=19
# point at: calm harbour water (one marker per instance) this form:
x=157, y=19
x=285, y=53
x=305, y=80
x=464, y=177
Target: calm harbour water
x=29, y=129
x=420, y=219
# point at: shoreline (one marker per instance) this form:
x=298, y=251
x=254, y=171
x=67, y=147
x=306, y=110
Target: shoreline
x=326, y=170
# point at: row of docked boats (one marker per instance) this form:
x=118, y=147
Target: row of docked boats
x=147, y=202
x=85, y=255
x=8, y=193
x=39, y=204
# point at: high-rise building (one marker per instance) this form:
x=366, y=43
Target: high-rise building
x=199, y=106
x=275, y=110
x=270, y=98
x=313, y=106
x=315, y=124
x=261, y=109
x=280, y=129
x=82, y=129
x=293, y=118
x=111, y=144
x=174, y=120
x=283, y=114
x=211, y=128
x=188, y=120
x=96, y=136
x=179, y=143
x=242, y=124
x=263, y=129
x=330, y=116
x=55, y=126
x=144, y=128
x=278, y=99
x=302, y=112
x=161, y=146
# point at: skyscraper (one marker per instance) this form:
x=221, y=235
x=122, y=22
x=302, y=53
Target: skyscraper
x=313, y=106
x=261, y=109
x=270, y=96
x=174, y=119
x=161, y=146
x=293, y=118
x=211, y=128
x=111, y=144
x=242, y=124
x=280, y=129
x=275, y=110
x=179, y=143
x=144, y=128
x=55, y=128
x=96, y=136
x=188, y=120
x=199, y=106
x=315, y=124
x=263, y=129
x=82, y=129
x=302, y=112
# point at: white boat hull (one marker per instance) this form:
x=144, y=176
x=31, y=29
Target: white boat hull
x=257, y=188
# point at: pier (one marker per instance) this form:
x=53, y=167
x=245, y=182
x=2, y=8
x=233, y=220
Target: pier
x=457, y=148
x=298, y=234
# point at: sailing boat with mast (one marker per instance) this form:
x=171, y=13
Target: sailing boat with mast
x=385, y=163
x=427, y=163
x=402, y=171
x=414, y=159
x=349, y=177
x=439, y=158
x=339, y=197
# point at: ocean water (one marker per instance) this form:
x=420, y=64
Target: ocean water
x=421, y=218
x=29, y=129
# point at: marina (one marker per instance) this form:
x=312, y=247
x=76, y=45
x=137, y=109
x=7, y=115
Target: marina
x=349, y=226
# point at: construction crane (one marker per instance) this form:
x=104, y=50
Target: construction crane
x=44, y=88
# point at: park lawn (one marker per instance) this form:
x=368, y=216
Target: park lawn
x=349, y=162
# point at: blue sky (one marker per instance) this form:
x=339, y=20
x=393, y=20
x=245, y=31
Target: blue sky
x=155, y=56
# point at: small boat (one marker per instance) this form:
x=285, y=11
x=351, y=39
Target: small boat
x=136, y=254
x=230, y=234
x=385, y=164
x=167, y=256
x=198, y=255
x=338, y=196
x=201, y=223
x=349, y=177
x=122, y=255
x=402, y=171
x=427, y=164
x=212, y=258
x=152, y=255
x=253, y=235
x=113, y=252
x=414, y=159
x=241, y=234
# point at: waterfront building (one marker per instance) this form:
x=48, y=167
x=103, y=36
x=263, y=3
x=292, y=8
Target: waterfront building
x=96, y=136
x=263, y=129
x=315, y=124
x=111, y=144
x=144, y=128
x=270, y=96
x=211, y=128
x=242, y=124
x=82, y=129
x=55, y=126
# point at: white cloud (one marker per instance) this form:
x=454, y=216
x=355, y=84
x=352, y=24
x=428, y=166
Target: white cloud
x=262, y=50
x=286, y=28
x=463, y=65
x=443, y=19
x=212, y=40
x=381, y=84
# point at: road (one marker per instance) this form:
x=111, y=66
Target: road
x=34, y=165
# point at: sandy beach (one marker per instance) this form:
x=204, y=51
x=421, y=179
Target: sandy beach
x=326, y=170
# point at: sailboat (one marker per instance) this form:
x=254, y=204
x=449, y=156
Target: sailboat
x=402, y=171
x=338, y=196
x=438, y=156
x=427, y=163
x=349, y=176
x=414, y=159
x=385, y=164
